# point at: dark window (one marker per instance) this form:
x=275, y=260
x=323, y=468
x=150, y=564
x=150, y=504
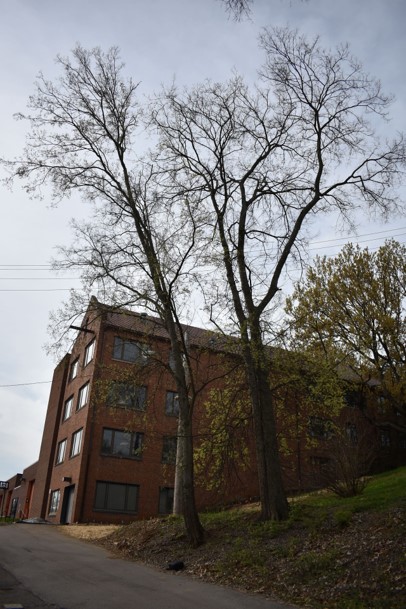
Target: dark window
x=385, y=438
x=76, y=443
x=89, y=352
x=127, y=395
x=67, y=409
x=351, y=431
x=354, y=398
x=320, y=428
x=114, y=497
x=83, y=396
x=172, y=403
x=169, y=449
x=54, y=501
x=73, y=372
x=165, y=500
x=122, y=443
x=319, y=463
x=402, y=441
x=129, y=350
x=61, y=451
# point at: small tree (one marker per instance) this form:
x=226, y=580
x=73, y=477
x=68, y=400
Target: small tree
x=350, y=461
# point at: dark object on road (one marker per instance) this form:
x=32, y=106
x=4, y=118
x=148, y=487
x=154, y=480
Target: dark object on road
x=177, y=565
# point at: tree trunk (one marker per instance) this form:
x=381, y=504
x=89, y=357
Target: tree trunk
x=178, y=486
x=195, y=531
x=274, y=505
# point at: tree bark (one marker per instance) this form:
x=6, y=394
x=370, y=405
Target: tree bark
x=274, y=505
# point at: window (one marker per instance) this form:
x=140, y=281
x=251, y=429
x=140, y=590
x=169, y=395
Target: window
x=402, y=441
x=129, y=350
x=113, y=497
x=54, y=502
x=127, y=395
x=67, y=409
x=122, y=443
x=385, y=438
x=165, y=500
x=83, y=396
x=320, y=428
x=351, y=431
x=169, y=449
x=61, y=451
x=319, y=463
x=89, y=352
x=354, y=398
x=74, y=367
x=172, y=404
x=76, y=443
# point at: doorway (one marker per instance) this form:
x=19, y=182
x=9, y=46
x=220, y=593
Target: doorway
x=67, y=504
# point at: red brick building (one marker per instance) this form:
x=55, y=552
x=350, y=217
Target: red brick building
x=109, y=442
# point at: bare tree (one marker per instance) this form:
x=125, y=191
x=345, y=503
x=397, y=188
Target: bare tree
x=137, y=247
x=266, y=164
x=238, y=8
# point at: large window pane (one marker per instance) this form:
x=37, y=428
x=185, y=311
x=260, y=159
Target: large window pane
x=115, y=497
x=127, y=395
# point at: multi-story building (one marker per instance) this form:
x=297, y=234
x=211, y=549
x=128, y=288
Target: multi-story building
x=109, y=443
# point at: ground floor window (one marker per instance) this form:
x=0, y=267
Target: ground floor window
x=54, y=502
x=115, y=497
x=165, y=500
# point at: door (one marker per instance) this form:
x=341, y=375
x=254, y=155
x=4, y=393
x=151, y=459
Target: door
x=67, y=505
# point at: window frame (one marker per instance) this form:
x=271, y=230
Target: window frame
x=385, y=438
x=83, y=391
x=67, y=414
x=120, y=345
x=166, y=496
x=320, y=428
x=140, y=404
x=54, y=501
x=74, y=369
x=105, y=505
x=136, y=444
x=89, y=352
x=76, y=444
x=61, y=451
x=172, y=403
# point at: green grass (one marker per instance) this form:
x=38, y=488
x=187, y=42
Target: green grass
x=382, y=492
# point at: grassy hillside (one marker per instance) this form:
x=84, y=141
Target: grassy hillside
x=332, y=553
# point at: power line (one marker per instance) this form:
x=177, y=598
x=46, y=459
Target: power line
x=40, y=290
x=389, y=230
x=26, y=384
x=38, y=278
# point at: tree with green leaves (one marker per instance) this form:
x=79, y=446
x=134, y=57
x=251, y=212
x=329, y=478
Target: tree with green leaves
x=351, y=307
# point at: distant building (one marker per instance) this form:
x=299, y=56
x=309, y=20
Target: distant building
x=109, y=442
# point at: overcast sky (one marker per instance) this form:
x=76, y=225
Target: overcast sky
x=189, y=40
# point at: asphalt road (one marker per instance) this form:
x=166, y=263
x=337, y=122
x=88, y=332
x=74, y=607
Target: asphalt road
x=40, y=568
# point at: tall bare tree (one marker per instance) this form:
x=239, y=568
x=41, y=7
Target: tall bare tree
x=268, y=162
x=84, y=130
